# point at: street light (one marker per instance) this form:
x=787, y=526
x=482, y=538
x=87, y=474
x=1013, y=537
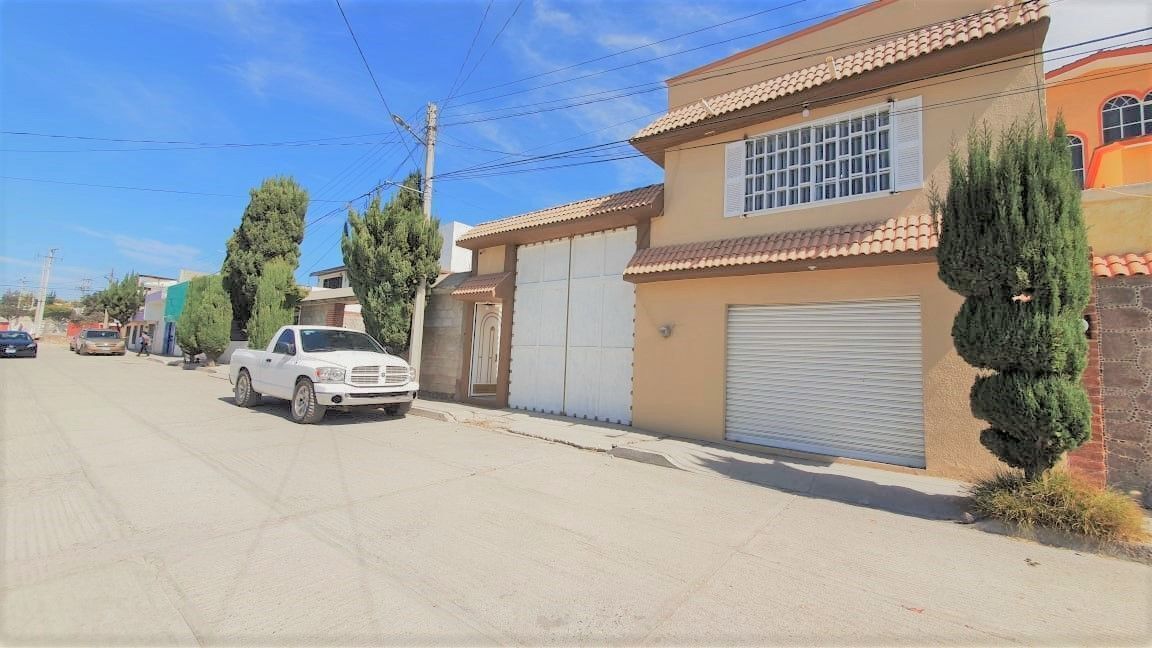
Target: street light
x=403, y=124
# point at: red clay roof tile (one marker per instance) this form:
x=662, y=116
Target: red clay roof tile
x=642, y=197
x=1122, y=265
x=904, y=234
x=481, y=285
x=925, y=41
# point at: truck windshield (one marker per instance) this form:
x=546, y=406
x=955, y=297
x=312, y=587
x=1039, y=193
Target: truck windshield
x=319, y=340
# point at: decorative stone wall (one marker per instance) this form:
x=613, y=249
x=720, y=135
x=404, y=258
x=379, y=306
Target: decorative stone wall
x=1125, y=308
x=1090, y=460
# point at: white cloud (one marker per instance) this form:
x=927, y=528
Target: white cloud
x=151, y=251
x=6, y=260
x=1075, y=21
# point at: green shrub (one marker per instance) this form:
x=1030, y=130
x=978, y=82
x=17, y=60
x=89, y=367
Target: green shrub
x=1059, y=500
x=1012, y=243
x=274, y=304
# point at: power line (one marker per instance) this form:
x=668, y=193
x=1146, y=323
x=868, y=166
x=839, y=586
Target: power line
x=372, y=75
x=658, y=58
x=489, y=48
x=128, y=188
x=772, y=108
x=644, y=88
x=92, y=138
x=487, y=173
x=452, y=88
x=638, y=47
x=1022, y=90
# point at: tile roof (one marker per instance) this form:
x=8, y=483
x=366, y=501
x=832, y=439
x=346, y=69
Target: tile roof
x=904, y=234
x=483, y=285
x=1122, y=265
x=624, y=200
x=931, y=39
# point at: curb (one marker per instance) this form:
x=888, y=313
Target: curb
x=1141, y=553
x=432, y=414
x=643, y=456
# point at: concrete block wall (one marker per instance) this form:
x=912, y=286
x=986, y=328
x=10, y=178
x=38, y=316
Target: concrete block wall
x=1125, y=308
x=440, y=366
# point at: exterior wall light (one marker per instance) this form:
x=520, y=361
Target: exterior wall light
x=666, y=330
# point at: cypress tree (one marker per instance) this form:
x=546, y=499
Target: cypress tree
x=387, y=248
x=271, y=229
x=122, y=299
x=274, y=305
x=186, y=322
x=1013, y=243
x=206, y=321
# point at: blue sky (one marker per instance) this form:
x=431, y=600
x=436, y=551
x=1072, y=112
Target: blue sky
x=258, y=72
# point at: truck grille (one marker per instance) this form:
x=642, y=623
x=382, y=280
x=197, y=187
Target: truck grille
x=395, y=375
x=365, y=376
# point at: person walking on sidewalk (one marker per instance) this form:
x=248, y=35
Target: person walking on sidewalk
x=145, y=340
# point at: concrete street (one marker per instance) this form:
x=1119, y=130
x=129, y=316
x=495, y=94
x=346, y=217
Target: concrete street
x=141, y=507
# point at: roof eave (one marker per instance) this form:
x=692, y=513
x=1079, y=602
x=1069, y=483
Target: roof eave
x=572, y=227
x=802, y=265
x=952, y=59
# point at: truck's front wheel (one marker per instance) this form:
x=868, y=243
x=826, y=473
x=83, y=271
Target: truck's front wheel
x=304, y=408
x=398, y=410
x=243, y=394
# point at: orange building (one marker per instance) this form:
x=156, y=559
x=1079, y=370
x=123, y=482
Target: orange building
x=1106, y=102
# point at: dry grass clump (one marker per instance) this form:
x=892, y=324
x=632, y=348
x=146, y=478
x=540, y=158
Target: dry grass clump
x=1059, y=500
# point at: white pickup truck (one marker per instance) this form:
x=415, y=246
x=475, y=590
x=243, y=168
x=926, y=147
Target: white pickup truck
x=317, y=367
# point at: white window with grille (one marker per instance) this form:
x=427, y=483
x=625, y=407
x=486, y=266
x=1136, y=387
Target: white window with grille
x=860, y=154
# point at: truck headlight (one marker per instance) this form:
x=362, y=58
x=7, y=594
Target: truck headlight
x=411, y=374
x=330, y=374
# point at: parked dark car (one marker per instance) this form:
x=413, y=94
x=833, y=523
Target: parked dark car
x=100, y=341
x=17, y=344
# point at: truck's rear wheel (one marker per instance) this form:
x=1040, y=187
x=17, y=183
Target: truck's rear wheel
x=304, y=407
x=398, y=410
x=243, y=394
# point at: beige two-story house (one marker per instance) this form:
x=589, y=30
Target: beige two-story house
x=779, y=290
x=789, y=296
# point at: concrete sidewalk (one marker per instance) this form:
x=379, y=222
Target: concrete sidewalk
x=915, y=495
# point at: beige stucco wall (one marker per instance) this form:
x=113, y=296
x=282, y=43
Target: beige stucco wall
x=679, y=380
x=491, y=260
x=801, y=51
x=1121, y=225
x=694, y=175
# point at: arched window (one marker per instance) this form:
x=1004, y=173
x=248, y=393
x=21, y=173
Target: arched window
x=1148, y=113
x=1076, y=148
x=1122, y=118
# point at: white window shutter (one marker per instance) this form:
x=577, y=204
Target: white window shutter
x=734, y=179
x=908, y=144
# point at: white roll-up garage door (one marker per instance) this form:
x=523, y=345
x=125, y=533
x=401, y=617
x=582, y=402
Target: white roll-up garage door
x=573, y=327
x=840, y=379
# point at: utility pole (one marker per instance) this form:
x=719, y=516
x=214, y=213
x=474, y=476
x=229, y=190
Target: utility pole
x=45, y=273
x=85, y=287
x=417, y=342
x=20, y=296
x=111, y=277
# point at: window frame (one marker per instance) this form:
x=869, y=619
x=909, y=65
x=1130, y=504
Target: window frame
x=292, y=341
x=339, y=279
x=822, y=122
x=1141, y=123
x=1080, y=173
